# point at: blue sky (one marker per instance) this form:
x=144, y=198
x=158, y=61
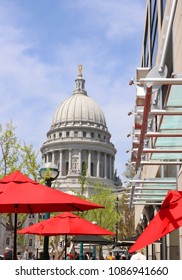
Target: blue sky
x=41, y=44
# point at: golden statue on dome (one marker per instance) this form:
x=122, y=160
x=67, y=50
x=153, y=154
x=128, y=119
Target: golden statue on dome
x=80, y=67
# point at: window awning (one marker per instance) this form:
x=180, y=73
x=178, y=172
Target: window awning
x=168, y=138
x=171, y=125
x=150, y=191
x=157, y=138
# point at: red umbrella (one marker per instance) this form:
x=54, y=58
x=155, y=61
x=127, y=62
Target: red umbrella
x=167, y=219
x=65, y=224
x=20, y=194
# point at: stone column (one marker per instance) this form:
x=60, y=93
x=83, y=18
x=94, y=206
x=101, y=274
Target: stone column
x=110, y=168
x=61, y=163
x=98, y=164
x=89, y=163
x=44, y=158
x=105, y=165
x=80, y=161
x=69, y=167
x=53, y=157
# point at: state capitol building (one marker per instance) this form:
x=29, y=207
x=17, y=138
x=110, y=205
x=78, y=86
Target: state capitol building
x=79, y=138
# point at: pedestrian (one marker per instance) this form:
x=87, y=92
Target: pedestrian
x=69, y=256
x=110, y=256
x=9, y=254
x=139, y=255
x=5, y=252
x=117, y=256
x=86, y=256
x=123, y=257
x=76, y=256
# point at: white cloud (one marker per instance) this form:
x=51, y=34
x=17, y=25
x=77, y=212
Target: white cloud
x=31, y=87
x=118, y=19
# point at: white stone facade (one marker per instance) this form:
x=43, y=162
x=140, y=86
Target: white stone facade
x=79, y=137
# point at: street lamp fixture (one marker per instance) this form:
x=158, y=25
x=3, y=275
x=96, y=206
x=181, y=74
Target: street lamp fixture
x=49, y=172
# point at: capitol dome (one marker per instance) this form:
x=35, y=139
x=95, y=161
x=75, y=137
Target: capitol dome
x=78, y=142
x=79, y=109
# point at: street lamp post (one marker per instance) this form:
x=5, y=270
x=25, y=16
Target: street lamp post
x=94, y=247
x=49, y=172
x=117, y=210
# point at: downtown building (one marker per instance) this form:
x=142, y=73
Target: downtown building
x=156, y=151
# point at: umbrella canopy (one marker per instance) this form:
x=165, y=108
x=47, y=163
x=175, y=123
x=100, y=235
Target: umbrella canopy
x=167, y=219
x=92, y=239
x=20, y=194
x=128, y=242
x=65, y=223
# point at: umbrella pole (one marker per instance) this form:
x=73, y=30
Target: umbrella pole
x=65, y=245
x=81, y=250
x=46, y=248
x=15, y=236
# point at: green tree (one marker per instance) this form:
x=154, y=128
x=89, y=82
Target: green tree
x=16, y=156
x=83, y=181
x=109, y=216
x=105, y=217
x=126, y=221
x=130, y=171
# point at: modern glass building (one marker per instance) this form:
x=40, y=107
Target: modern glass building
x=157, y=130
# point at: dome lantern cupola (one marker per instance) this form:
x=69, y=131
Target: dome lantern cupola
x=80, y=82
